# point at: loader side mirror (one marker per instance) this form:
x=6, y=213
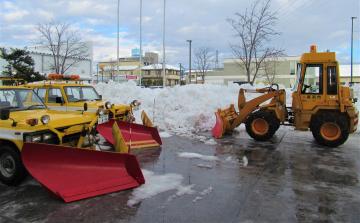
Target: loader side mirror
x=100, y=96
x=59, y=100
x=4, y=114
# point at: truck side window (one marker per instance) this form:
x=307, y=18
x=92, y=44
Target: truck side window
x=331, y=80
x=53, y=93
x=312, y=83
x=41, y=93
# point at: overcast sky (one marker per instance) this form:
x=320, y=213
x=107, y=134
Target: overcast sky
x=326, y=23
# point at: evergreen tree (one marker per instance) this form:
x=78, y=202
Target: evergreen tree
x=19, y=65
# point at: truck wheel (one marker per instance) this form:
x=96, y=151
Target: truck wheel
x=330, y=129
x=262, y=125
x=12, y=171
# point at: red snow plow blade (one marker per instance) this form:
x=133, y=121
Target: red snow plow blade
x=73, y=174
x=135, y=136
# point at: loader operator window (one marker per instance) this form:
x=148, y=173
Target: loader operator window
x=312, y=83
x=53, y=94
x=331, y=80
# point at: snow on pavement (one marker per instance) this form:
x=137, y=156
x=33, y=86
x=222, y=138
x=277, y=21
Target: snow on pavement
x=197, y=156
x=156, y=184
x=165, y=134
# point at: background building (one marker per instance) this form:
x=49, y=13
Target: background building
x=128, y=68
x=152, y=75
x=281, y=71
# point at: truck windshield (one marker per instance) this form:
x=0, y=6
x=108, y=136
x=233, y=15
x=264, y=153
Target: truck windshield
x=298, y=76
x=83, y=93
x=20, y=99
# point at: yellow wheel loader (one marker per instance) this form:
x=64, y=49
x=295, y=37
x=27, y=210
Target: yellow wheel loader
x=319, y=104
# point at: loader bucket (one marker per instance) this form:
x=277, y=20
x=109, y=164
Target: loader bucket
x=224, y=118
x=73, y=174
x=218, y=129
x=136, y=136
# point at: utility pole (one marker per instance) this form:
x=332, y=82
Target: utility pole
x=140, y=58
x=164, y=61
x=180, y=74
x=118, y=38
x=352, y=44
x=189, y=41
x=217, y=59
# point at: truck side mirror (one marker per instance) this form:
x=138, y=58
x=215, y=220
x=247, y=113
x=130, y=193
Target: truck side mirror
x=100, y=96
x=59, y=100
x=4, y=114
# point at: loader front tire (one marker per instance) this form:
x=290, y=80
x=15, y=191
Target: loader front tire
x=12, y=171
x=262, y=125
x=330, y=129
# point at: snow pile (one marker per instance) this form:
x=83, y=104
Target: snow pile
x=182, y=110
x=197, y=156
x=156, y=184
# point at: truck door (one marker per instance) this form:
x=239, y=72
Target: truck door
x=332, y=97
x=312, y=89
x=52, y=99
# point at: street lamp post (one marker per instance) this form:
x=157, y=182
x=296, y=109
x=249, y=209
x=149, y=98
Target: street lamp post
x=140, y=58
x=352, y=44
x=118, y=38
x=164, y=69
x=189, y=41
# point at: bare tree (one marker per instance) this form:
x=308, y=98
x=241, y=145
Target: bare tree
x=64, y=43
x=203, y=60
x=253, y=29
x=270, y=66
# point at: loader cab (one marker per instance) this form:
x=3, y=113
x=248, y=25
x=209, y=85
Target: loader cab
x=317, y=85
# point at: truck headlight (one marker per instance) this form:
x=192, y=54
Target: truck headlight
x=33, y=138
x=135, y=104
x=47, y=136
x=108, y=105
x=45, y=119
x=39, y=137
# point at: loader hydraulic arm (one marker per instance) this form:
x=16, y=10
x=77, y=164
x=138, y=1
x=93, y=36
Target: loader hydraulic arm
x=245, y=108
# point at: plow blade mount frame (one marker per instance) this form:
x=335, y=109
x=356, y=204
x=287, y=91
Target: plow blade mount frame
x=136, y=136
x=73, y=174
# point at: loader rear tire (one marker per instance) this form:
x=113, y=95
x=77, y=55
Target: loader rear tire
x=330, y=128
x=12, y=170
x=262, y=125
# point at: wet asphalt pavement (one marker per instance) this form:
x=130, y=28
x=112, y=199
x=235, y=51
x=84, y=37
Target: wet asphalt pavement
x=290, y=179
